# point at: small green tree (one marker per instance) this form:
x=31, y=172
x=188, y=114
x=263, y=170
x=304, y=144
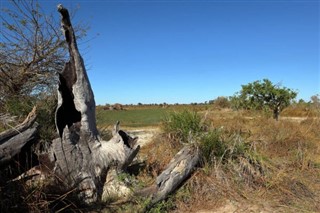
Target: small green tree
x=264, y=95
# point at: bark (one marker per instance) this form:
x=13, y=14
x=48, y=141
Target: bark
x=178, y=170
x=81, y=158
x=276, y=112
x=13, y=140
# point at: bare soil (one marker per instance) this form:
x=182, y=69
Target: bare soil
x=145, y=135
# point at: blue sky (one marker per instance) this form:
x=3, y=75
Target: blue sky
x=195, y=51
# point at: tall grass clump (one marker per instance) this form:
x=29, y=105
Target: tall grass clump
x=232, y=153
x=183, y=126
x=217, y=146
x=227, y=160
x=212, y=147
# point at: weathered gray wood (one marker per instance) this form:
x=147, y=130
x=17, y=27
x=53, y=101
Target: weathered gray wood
x=14, y=145
x=76, y=104
x=81, y=157
x=13, y=140
x=177, y=171
x=179, y=168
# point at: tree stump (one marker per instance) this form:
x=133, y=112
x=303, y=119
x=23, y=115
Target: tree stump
x=81, y=158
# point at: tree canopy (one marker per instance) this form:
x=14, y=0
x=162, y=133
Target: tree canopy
x=264, y=94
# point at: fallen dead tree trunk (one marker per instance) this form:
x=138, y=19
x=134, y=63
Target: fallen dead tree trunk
x=14, y=139
x=177, y=171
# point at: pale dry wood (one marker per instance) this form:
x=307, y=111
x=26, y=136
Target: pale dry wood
x=177, y=171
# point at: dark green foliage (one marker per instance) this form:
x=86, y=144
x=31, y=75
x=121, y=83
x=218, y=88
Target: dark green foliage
x=263, y=95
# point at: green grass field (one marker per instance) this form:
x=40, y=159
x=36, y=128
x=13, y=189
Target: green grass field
x=145, y=116
x=132, y=117
x=142, y=116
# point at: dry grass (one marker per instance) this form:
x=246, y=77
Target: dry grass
x=273, y=166
x=36, y=196
x=268, y=166
x=292, y=150
x=301, y=110
x=280, y=174
x=158, y=154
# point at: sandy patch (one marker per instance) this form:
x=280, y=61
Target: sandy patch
x=145, y=136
